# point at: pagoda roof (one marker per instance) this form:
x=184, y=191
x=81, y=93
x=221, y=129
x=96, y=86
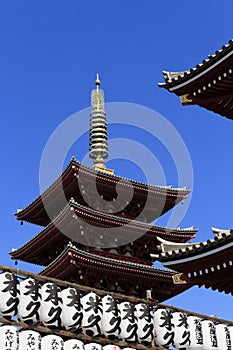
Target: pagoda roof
x=208, y=263
x=52, y=200
x=71, y=259
x=70, y=225
x=209, y=84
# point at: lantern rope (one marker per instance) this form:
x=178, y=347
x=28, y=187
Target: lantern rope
x=120, y=296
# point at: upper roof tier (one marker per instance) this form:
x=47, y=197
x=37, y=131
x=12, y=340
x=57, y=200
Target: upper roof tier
x=86, y=185
x=209, y=84
x=208, y=263
x=87, y=226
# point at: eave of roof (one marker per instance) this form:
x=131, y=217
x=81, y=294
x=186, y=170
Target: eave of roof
x=97, y=261
x=208, y=85
x=198, y=253
x=51, y=233
x=72, y=259
x=208, y=264
x=177, y=80
x=175, y=194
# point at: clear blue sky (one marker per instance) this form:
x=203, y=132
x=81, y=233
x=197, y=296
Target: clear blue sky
x=50, y=53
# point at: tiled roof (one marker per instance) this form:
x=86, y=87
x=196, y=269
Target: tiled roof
x=50, y=235
x=36, y=213
x=175, y=79
x=112, y=263
x=171, y=251
x=208, y=263
x=73, y=261
x=208, y=85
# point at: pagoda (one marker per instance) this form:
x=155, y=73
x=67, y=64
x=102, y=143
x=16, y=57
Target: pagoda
x=96, y=239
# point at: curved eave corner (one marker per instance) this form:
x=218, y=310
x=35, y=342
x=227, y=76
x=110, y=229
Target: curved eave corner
x=175, y=80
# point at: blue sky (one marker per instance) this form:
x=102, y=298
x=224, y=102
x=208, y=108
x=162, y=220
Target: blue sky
x=50, y=53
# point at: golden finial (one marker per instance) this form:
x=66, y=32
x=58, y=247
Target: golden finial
x=98, y=145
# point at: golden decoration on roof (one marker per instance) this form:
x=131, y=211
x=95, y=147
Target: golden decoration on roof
x=98, y=144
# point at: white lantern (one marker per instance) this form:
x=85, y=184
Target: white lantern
x=92, y=314
x=8, y=338
x=111, y=347
x=9, y=294
x=128, y=322
x=29, y=340
x=145, y=332
x=196, y=334
x=92, y=346
x=71, y=316
x=29, y=301
x=182, y=333
x=110, y=323
x=51, y=305
x=72, y=344
x=231, y=334
x=164, y=327
x=209, y=335
x=52, y=342
x=223, y=337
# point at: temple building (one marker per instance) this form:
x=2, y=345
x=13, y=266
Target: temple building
x=96, y=239
x=208, y=263
x=99, y=288
x=208, y=85
x=90, y=238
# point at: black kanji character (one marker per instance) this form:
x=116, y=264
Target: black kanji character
x=53, y=294
x=170, y=336
x=148, y=328
x=129, y=313
x=167, y=317
x=76, y=303
x=94, y=304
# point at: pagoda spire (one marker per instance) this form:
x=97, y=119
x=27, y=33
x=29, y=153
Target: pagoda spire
x=98, y=142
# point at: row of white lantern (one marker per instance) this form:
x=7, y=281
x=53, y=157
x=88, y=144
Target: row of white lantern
x=190, y=332
x=13, y=339
x=92, y=315
x=106, y=316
